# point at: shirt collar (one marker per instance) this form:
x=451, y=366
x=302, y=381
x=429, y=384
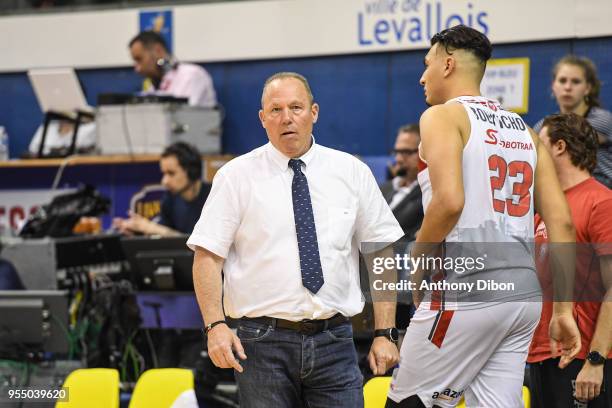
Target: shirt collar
x=396, y=181
x=282, y=161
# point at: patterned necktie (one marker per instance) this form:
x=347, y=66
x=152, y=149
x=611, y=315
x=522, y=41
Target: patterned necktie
x=308, y=246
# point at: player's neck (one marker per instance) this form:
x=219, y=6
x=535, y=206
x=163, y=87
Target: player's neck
x=462, y=89
x=569, y=176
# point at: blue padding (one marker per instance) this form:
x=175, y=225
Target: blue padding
x=177, y=310
x=378, y=165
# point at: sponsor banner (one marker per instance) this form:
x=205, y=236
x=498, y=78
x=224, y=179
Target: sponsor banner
x=507, y=80
x=246, y=30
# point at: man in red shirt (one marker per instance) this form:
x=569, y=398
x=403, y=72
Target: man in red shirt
x=586, y=381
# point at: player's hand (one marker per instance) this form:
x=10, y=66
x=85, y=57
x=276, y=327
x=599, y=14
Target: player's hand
x=222, y=342
x=588, y=382
x=383, y=355
x=564, y=335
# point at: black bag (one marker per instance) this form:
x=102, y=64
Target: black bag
x=58, y=218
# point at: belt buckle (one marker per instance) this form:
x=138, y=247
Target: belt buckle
x=309, y=327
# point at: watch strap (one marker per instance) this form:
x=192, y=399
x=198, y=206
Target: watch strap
x=387, y=333
x=213, y=324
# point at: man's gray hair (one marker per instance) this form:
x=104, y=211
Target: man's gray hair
x=285, y=75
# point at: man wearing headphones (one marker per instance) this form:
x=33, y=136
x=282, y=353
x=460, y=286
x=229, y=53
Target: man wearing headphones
x=181, y=168
x=168, y=76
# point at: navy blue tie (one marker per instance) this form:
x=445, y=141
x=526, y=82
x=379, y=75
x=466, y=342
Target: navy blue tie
x=308, y=246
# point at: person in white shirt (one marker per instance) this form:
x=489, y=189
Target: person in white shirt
x=59, y=138
x=169, y=76
x=285, y=222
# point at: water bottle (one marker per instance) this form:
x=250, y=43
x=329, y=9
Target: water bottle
x=4, y=147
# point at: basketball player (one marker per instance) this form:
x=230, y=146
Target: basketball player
x=482, y=172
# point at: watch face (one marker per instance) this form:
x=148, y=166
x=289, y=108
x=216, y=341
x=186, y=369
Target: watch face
x=393, y=334
x=595, y=358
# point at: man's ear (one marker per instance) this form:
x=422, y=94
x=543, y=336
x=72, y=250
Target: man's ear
x=449, y=65
x=314, y=109
x=560, y=147
x=262, y=118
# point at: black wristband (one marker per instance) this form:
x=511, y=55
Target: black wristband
x=211, y=325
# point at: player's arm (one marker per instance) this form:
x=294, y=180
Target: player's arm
x=590, y=377
x=207, y=282
x=552, y=206
x=550, y=203
x=442, y=148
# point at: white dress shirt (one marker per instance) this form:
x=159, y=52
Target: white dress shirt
x=189, y=81
x=86, y=137
x=400, y=191
x=248, y=220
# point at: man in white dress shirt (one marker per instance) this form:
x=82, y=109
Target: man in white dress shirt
x=169, y=76
x=285, y=222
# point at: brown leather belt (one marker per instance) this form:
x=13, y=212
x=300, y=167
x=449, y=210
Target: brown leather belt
x=306, y=327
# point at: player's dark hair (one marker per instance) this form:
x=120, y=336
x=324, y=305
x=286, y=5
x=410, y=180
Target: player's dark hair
x=462, y=37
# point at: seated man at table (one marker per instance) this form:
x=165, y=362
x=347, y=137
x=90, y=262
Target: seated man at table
x=181, y=167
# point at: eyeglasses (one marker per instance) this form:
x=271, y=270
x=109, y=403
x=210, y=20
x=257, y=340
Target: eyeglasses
x=405, y=152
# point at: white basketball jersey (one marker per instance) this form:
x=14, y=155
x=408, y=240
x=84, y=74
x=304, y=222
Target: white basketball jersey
x=499, y=161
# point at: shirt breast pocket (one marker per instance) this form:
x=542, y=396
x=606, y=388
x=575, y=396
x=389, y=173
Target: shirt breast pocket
x=341, y=224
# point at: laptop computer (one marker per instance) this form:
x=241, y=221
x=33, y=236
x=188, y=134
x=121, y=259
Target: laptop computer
x=58, y=90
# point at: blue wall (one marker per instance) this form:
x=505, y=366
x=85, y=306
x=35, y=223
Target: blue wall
x=364, y=98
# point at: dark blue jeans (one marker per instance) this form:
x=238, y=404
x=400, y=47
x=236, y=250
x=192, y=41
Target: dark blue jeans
x=285, y=369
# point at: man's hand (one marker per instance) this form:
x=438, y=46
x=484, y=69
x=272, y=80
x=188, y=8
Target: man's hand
x=221, y=343
x=383, y=355
x=588, y=382
x=564, y=335
x=135, y=224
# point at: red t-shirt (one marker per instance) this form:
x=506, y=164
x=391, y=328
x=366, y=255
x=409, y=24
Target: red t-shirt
x=591, y=205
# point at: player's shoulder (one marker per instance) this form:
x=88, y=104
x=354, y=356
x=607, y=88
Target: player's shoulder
x=439, y=119
x=444, y=111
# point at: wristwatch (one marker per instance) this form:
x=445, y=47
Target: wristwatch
x=391, y=334
x=595, y=358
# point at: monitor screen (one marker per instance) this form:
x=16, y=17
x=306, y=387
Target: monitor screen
x=33, y=320
x=159, y=263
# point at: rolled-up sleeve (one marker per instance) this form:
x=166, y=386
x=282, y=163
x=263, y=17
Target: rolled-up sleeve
x=375, y=221
x=220, y=218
